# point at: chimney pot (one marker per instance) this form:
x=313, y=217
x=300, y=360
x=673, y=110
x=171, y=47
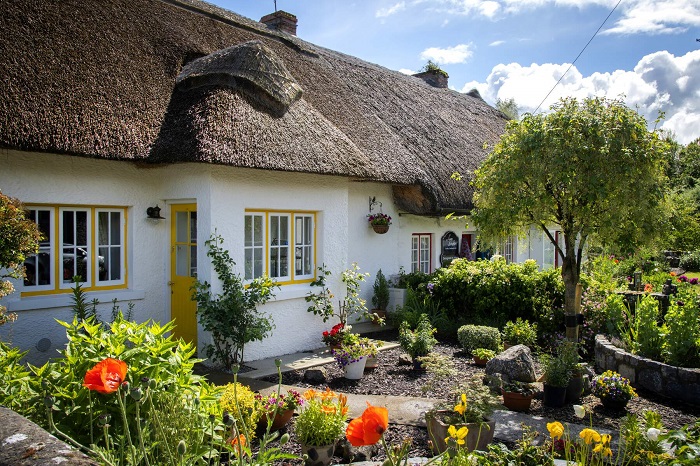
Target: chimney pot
x=281, y=21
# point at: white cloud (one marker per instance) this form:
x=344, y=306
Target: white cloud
x=384, y=12
x=496, y=43
x=659, y=82
x=448, y=56
x=407, y=71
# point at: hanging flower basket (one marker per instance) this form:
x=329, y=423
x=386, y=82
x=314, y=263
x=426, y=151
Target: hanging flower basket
x=381, y=229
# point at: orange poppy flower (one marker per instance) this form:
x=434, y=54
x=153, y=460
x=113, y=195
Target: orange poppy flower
x=106, y=376
x=310, y=394
x=369, y=428
x=328, y=409
x=238, y=443
x=328, y=394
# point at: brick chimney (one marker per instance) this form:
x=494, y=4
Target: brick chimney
x=281, y=21
x=436, y=78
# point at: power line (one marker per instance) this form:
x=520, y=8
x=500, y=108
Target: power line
x=579, y=54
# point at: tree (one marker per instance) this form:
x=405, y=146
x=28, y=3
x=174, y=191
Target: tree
x=509, y=108
x=590, y=169
x=19, y=238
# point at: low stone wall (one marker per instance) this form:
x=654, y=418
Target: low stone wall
x=23, y=443
x=671, y=381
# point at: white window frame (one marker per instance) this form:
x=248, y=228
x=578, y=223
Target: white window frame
x=307, y=249
x=549, y=251
x=51, y=248
x=418, y=260
x=279, y=247
x=87, y=282
x=121, y=246
x=253, y=247
x=508, y=249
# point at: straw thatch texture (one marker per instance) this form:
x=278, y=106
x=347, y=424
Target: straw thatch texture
x=98, y=78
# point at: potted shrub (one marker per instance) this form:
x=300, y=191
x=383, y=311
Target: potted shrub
x=277, y=409
x=568, y=352
x=352, y=359
x=482, y=355
x=613, y=390
x=320, y=424
x=472, y=337
x=556, y=378
x=339, y=334
x=520, y=332
x=517, y=396
x=465, y=424
x=380, y=298
x=418, y=342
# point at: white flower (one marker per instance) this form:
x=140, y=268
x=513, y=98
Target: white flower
x=580, y=411
x=653, y=434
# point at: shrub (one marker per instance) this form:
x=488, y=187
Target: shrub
x=520, y=332
x=418, y=342
x=380, y=299
x=239, y=401
x=690, y=261
x=682, y=340
x=472, y=337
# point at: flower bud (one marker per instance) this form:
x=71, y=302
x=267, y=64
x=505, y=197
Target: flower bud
x=136, y=394
x=228, y=419
x=212, y=418
x=278, y=362
x=181, y=448
x=145, y=382
x=103, y=420
x=284, y=439
x=44, y=384
x=235, y=368
x=48, y=401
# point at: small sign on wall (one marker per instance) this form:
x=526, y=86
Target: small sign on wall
x=449, y=248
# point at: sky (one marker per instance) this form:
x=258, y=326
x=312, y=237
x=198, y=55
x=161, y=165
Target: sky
x=645, y=53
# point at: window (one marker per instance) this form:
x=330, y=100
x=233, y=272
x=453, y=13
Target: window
x=421, y=252
x=268, y=250
x=548, y=251
x=507, y=249
x=77, y=241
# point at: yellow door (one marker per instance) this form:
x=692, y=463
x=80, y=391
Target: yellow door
x=183, y=270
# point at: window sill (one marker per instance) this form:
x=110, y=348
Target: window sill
x=66, y=300
x=286, y=292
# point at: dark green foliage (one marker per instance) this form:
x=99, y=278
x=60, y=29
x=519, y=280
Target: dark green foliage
x=81, y=308
x=520, y=332
x=495, y=292
x=691, y=261
x=15, y=385
x=380, y=299
x=416, y=305
x=472, y=337
x=411, y=281
x=418, y=342
x=232, y=317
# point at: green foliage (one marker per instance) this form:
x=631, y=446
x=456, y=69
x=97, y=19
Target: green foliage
x=81, y=308
x=19, y=239
x=484, y=353
x=416, y=305
x=509, y=108
x=322, y=421
x=232, y=317
x=351, y=305
x=649, y=333
x=151, y=356
x=15, y=385
x=686, y=444
x=418, y=342
x=557, y=371
x=591, y=169
x=520, y=332
x=682, y=339
x=380, y=299
x=690, y=261
x=412, y=280
x=434, y=67
x=472, y=337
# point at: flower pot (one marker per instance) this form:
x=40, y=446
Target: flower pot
x=318, y=456
x=372, y=363
x=481, y=362
x=554, y=397
x=380, y=229
x=380, y=314
x=479, y=436
x=517, y=401
x=279, y=421
x=574, y=389
x=355, y=370
x=418, y=365
x=614, y=404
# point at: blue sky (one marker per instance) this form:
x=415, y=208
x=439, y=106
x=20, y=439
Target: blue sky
x=518, y=49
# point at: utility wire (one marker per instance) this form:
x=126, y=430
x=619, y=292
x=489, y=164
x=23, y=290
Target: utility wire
x=579, y=55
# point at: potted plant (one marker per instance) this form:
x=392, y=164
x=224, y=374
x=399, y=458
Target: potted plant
x=379, y=222
x=320, y=424
x=418, y=342
x=380, y=299
x=520, y=332
x=373, y=351
x=467, y=421
x=568, y=351
x=517, y=396
x=556, y=378
x=277, y=409
x=482, y=356
x=339, y=334
x=613, y=390
x=352, y=359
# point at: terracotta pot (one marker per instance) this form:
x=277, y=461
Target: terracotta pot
x=318, y=456
x=279, y=421
x=479, y=436
x=481, y=362
x=380, y=229
x=517, y=401
x=614, y=404
x=355, y=370
x=372, y=363
x=554, y=397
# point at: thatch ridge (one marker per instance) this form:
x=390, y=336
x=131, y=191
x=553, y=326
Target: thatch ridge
x=98, y=79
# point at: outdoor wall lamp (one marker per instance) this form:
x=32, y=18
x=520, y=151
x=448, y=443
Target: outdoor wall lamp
x=154, y=212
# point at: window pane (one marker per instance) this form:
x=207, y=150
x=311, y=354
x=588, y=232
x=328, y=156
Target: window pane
x=193, y=261
x=116, y=227
x=248, y=265
x=181, y=227
x=181, y=262
x=38, y=268
x=114, y=266
x=248, y=231
x=105, y=259
x=258, y=268
x=44, y=222
x=193, y=228
x=68, y=228
x=258, y=233
x=103, y=228
x=81, y=226
x=284, y=231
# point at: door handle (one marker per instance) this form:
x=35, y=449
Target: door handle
x=171, y=283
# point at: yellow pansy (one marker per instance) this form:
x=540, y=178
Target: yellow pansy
x=456, y=434
x=589, y=436
x=556, y=430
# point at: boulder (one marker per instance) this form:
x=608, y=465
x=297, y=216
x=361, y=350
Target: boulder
x=315, y=376
x=515, y=363
x=405, y=360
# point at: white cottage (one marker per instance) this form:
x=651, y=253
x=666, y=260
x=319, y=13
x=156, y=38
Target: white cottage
x=113, y=109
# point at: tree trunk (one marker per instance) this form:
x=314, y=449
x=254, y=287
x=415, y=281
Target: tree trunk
x=570, y=275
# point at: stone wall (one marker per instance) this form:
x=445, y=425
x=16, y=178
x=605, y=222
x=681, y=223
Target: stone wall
x=671, y=381
x=23, y=443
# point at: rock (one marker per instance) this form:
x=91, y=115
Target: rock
x=315, y=376
x=405, y=360
x=496, y=381
x=516, y=363
x=352, y=454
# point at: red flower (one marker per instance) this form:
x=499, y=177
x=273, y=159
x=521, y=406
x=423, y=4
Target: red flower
x=106, y=376
x=368, y=429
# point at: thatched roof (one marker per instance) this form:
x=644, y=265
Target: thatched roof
x=184, y=81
